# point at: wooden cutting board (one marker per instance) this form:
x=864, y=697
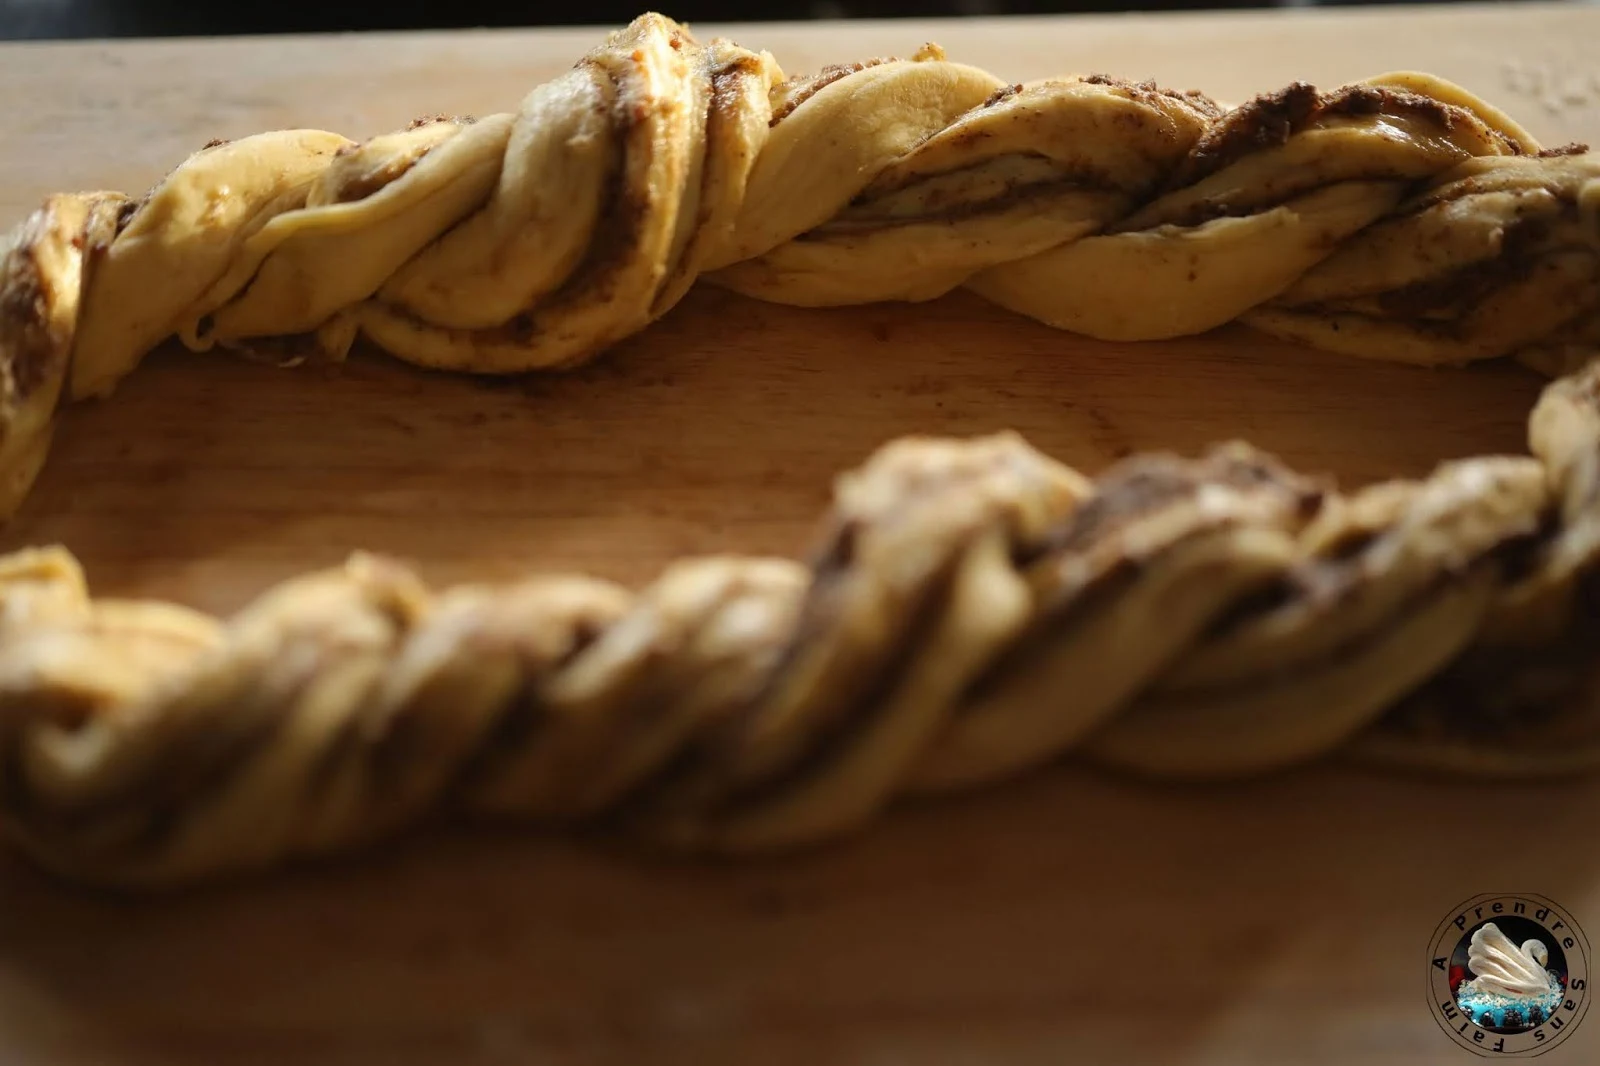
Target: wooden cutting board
x=1071, y=917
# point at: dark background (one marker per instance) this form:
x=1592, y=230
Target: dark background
x=21, y=19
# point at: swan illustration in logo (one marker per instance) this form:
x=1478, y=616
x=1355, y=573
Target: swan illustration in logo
x=1508, y=975
x=1510, y=986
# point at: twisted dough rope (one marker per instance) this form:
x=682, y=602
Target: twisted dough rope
x=973, y=610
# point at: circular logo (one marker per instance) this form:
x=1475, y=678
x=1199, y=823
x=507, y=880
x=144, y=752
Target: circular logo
x=1508, y=975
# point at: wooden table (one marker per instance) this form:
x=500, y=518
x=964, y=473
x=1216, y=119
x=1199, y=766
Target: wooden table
x=1071, y=917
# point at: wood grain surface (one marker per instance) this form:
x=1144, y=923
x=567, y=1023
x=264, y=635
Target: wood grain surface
x=1071, y=917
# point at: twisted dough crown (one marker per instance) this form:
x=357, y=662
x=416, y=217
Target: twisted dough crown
x=972, y=609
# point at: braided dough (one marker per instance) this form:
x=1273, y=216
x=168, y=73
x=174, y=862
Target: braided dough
x=973, y=610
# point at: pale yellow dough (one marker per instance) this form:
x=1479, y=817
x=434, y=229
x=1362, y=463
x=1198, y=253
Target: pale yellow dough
x=972, y=610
